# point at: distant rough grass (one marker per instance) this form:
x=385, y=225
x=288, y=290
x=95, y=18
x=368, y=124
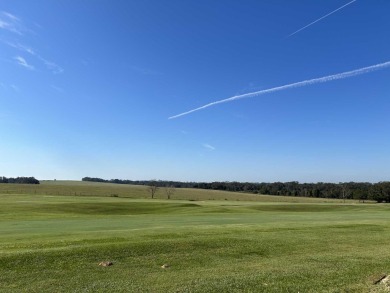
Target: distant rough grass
x=85, y=188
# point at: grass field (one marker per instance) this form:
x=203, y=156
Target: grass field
x=80, y=188
x=213, y=241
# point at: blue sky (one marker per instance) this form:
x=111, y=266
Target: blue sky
x=87, y=87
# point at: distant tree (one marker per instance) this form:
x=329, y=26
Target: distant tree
x=381, y=192
x=344, y=191
x=152, y=187
x=93, y=179
x=169, y=190
x=20, y=180
x=361, y=195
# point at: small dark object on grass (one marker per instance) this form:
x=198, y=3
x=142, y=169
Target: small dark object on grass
x=105, y=263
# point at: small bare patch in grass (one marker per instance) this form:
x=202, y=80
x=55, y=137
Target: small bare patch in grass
x=382, y=283
x=386, y=282
x=105, y=263
x=379, y=278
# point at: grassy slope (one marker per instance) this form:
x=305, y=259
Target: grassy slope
x=53, y=244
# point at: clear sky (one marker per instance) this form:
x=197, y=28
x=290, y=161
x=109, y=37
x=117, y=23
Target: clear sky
x=87, y=87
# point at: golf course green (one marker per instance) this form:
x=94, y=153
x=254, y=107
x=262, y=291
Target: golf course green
x=54, y=236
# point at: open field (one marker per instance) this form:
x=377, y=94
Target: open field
x=80, y=188
x=53, y=243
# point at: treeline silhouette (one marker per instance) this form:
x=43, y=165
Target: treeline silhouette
x=362, y=191
x=21, y=180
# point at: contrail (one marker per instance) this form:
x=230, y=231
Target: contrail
x=293, y=85
x=321, y=18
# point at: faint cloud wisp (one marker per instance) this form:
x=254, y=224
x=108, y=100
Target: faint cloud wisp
x=20, y=47
x=15, y=88
x=57, y=88
x=12, y=86
x=53, y=67
x=10, y=16
x=10, y=23
x=209, y=147
x=22, y=62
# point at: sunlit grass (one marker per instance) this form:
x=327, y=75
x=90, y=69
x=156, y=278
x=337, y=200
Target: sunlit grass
x=51, y=243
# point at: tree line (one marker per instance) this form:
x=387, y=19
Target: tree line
x=21, y=180
x=362, y=191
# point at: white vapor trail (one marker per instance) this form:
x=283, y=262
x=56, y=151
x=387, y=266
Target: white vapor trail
x=293, y=85
x=321, y=18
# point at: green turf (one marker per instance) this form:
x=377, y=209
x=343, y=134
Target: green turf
x=53, y=243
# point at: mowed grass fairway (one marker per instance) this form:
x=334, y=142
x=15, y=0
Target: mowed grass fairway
x=54, y=243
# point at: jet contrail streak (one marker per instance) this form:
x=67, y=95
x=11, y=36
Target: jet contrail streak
x=293, y=85
x=321, y=18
